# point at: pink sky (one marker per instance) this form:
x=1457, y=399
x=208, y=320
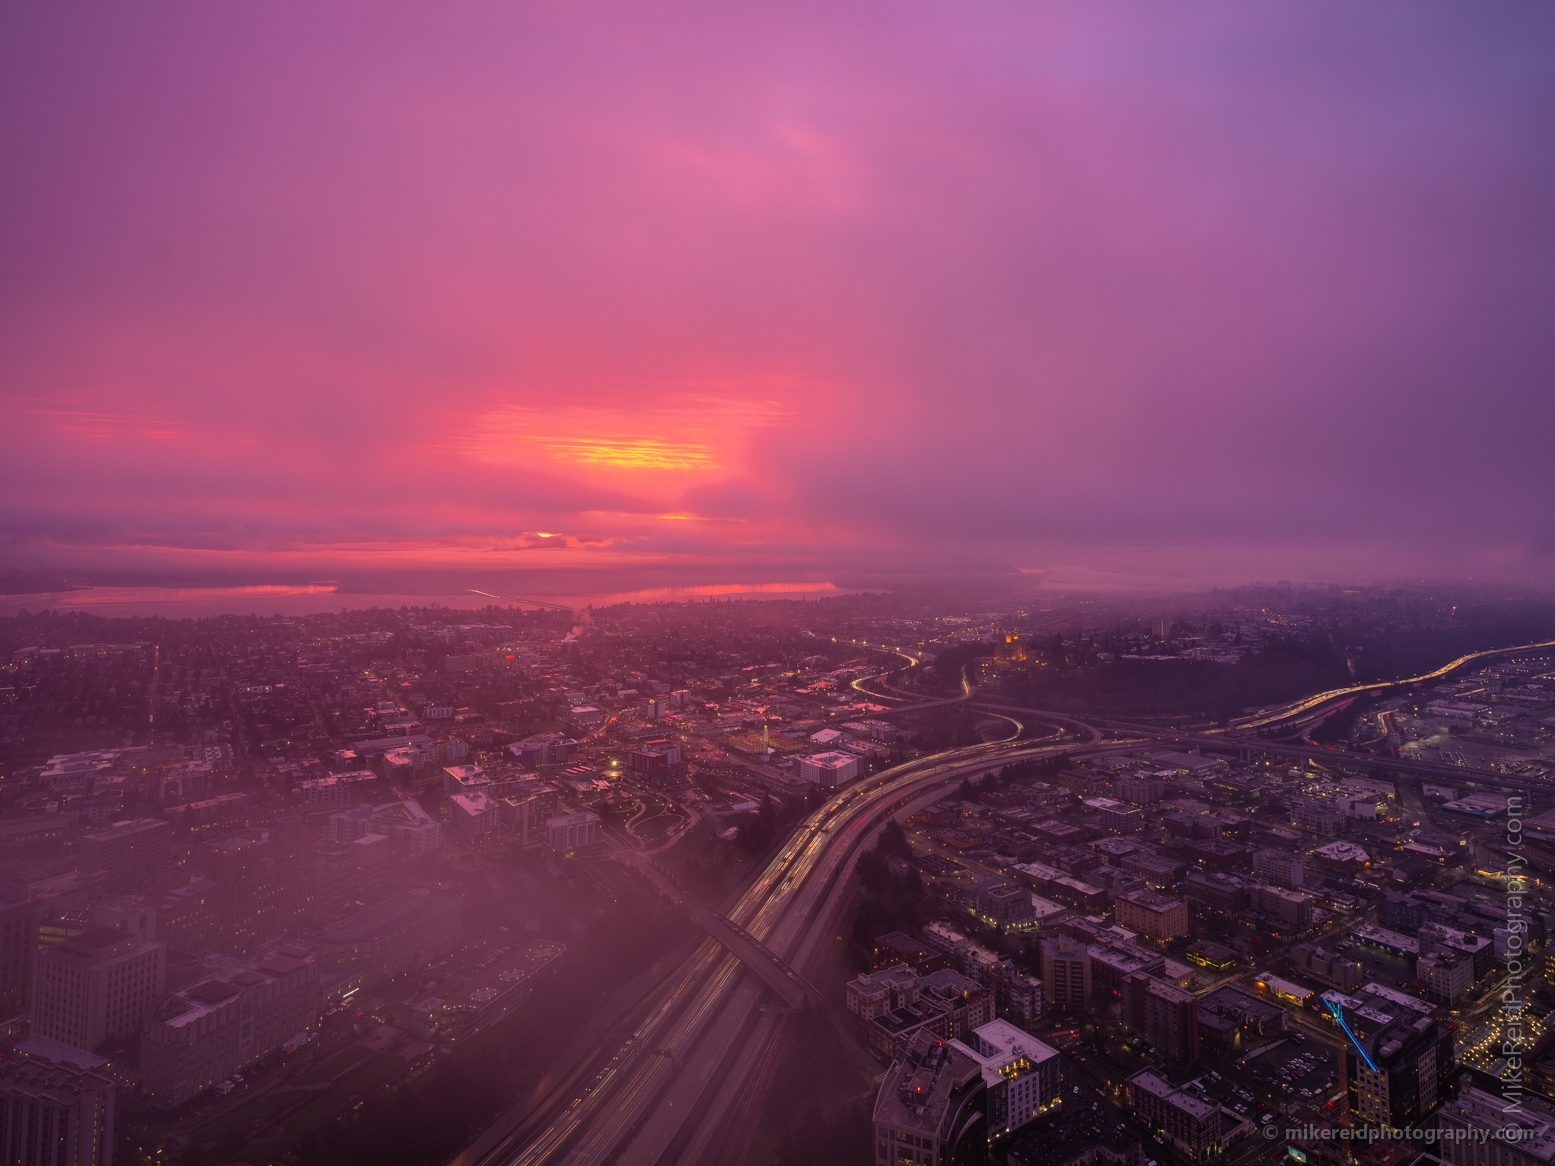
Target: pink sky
x=715, y=293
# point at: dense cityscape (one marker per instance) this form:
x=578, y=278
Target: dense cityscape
x=798, y=584
x=792, y=881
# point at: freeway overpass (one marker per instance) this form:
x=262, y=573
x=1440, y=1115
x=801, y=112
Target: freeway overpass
x=790, y=987
x=759, y=958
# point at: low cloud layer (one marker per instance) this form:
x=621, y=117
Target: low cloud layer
x=813, y=291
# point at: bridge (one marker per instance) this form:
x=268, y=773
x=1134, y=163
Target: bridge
x=759, y=958
x=790, y=986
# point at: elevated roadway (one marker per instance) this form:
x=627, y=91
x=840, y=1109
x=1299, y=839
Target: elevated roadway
x=674, y=1083
x=1247, y=747
x=1311, y=706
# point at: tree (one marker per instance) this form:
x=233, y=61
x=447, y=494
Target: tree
x=893, y=840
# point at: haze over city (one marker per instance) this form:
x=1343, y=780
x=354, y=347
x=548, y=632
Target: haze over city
x=789, y=585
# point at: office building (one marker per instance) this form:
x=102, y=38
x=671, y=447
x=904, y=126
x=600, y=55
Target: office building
x=1327, y=967
x=404, y=933
x=1142, y=789
x=412, y=831
x=656, y=762
x=1397, y=1074
x=552, y=748
x=96, y=986
x=1291, y=908
x=573, y=833
x=1155, y=916
x=243, y=1011
x=1326, y=818
x=929, y=1110
x=1478, y=950
x=828, y=770
x=1166, y=1015
x=266, y=879
x=1066, y=974
x=194, y=917
x=130, y=851
x=1159, y=873
x=1279, y=868
x=55, y=1114
x=1404, y=912
x=1216, y=891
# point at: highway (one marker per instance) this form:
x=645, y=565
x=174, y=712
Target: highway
x=671, y=1083
x=1311, y=705
x=678, y=1076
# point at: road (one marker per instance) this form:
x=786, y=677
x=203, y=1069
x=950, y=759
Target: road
x=679, y=1076
x=673, y=1083
x=1220, y=743
x=1310, y=705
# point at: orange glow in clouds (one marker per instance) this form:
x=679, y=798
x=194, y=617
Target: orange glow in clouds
x=691, y=436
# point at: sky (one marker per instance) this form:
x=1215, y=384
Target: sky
x=710, y=293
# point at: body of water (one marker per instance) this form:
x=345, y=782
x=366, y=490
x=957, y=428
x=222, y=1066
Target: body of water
x=310, y=599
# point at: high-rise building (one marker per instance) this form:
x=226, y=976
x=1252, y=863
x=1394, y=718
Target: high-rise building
x=243, y=1011
x=194, y=917
x=18, y=947
x=1166, y=1015
x=130, y=851
x=1279, y=867
x=55, y=1114
x=930, y=1108
x=96, y=986
x=1066, y=973
x=266, y=878
x=1020, y=1075
x=1398, y=1073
